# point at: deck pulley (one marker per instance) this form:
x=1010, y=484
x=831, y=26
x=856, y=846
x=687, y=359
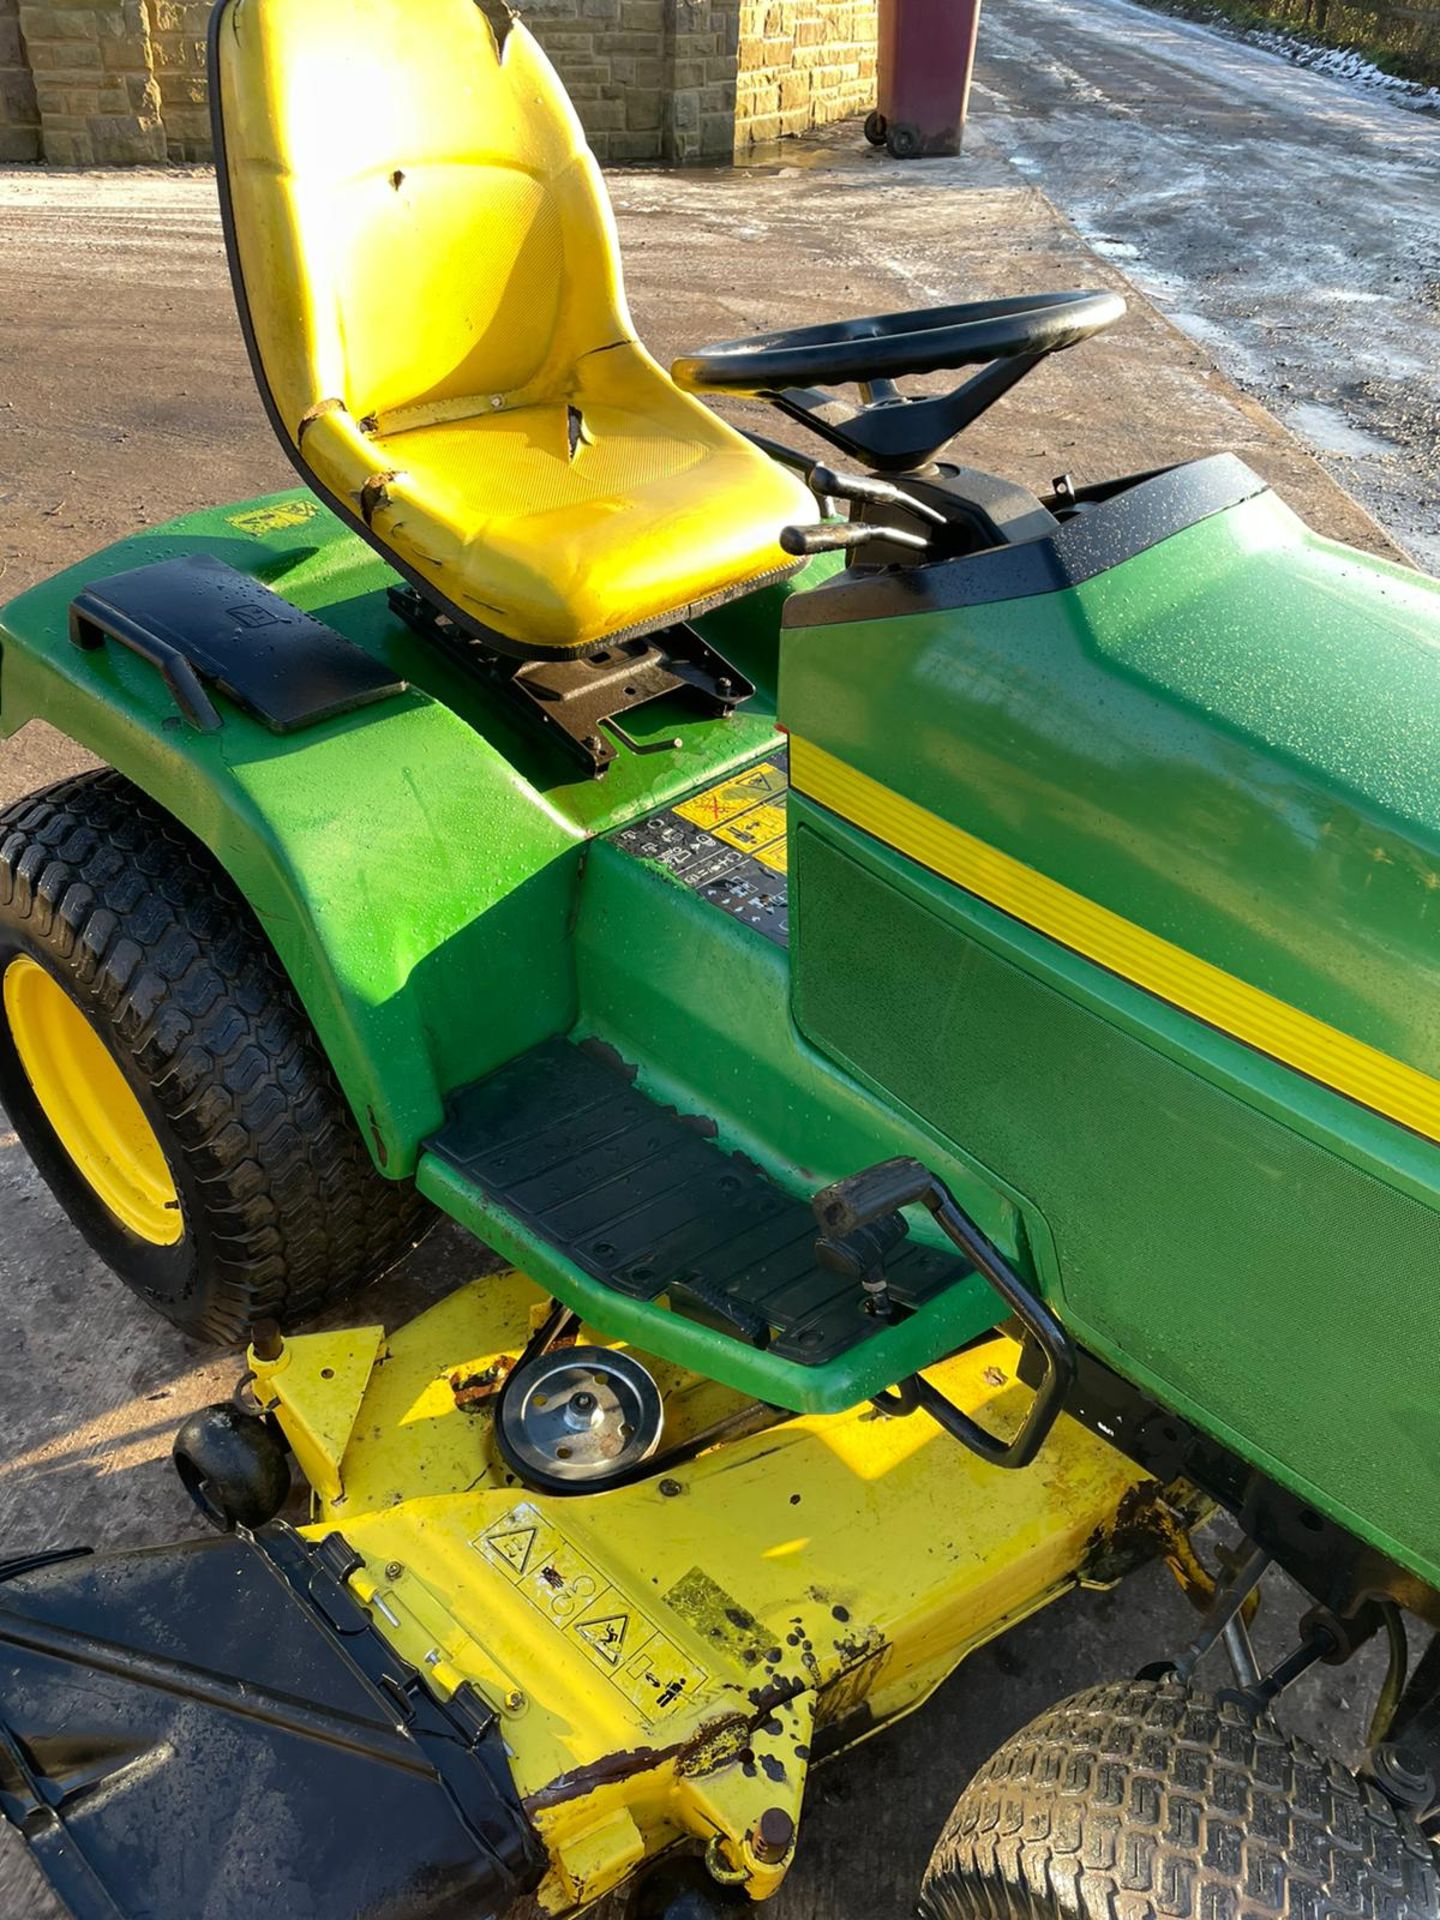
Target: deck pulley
x=578, y=1414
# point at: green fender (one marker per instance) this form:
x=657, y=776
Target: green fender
x=415, y=864
x=355, y=842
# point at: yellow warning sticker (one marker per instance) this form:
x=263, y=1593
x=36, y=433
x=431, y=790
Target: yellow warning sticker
x=573, y=1593
x=513, y=1548
x=765, y=782
x=659, y=1678
x=760, y=827
x=606, y=1634
x=727, y=845
x=276, y=518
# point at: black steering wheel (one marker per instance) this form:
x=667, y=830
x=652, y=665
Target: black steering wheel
x=885, y=345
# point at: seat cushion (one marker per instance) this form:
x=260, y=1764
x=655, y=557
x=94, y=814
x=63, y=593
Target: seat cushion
x=563, y=524
x=426, y=256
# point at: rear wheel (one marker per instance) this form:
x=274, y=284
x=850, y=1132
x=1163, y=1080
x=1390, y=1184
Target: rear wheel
x=164, y=1078
x=1146, y=1797
x=875, y=124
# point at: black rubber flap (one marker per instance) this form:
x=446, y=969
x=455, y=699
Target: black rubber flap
x=640, y=1197
x=215, y=1729
x=198, y=620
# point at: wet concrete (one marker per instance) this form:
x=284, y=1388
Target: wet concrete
x=125, y=398
x=1288, y=220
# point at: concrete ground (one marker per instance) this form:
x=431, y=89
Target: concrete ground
x=1286, y=219
x=125, y=398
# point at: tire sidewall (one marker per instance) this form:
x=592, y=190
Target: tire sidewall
x=167, y=1278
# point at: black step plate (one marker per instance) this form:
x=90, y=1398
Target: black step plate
x=641, y=1198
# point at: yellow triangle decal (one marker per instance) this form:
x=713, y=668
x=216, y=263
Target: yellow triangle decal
x=606, y=1635
x=513, y=1548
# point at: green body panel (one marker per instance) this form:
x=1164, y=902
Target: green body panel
x=1276, y=1290
x=699, y=1004
x=1232, y=740
x=1227, y=739
x=415, y=864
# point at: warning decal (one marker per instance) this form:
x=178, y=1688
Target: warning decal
x=277, y=517
x=728, y=845
x=598, y=1619
x=751, y=831
x=514, y=1547
x=606, y=1635
x=765, y=782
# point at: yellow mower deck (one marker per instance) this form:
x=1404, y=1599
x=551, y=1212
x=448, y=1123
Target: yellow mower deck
x=669, y=1657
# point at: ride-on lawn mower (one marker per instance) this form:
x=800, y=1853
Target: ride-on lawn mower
x=929, y=986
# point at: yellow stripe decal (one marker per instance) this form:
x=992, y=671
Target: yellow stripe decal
x=1335, y=1059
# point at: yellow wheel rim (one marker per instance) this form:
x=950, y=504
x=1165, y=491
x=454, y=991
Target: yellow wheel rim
x=90, y=1104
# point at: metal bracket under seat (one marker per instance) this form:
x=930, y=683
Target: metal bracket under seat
x=197, y=620
x=574, y=701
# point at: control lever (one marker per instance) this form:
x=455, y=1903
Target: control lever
x=864, y=486
x=861, y=1213
x=835, y=536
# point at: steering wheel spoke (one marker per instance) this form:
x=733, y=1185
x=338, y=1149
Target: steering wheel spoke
x=1004, y=338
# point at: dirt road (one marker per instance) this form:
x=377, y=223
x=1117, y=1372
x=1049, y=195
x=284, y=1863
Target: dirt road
x=1287, y=220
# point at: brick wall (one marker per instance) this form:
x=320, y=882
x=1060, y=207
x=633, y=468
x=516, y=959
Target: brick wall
x=613, y=56
x=705, y=42
x=704, y=80
x=651, y=79
x=19, y=115
x=122, y=82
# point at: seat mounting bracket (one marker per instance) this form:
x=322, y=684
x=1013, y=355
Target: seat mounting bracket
x=574, y=702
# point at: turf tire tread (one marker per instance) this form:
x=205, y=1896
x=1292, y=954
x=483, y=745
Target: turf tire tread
x=1140, y=1799
x=168, y=958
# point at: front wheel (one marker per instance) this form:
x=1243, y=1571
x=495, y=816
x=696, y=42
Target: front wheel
x=1147, y=1797
x=164, y=1078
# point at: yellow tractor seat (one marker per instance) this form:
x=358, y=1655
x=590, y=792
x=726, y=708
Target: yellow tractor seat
x=426, y=265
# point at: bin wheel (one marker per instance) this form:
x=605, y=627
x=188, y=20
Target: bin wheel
x=902, y=143
x=232, y=1466
x=164, y=1078
x=1150, y=1795
x=875, y=124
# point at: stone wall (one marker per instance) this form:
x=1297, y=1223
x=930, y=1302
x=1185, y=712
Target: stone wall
x=94, y=81
x=613, y=56
x=706, y=80
x=802, y=63
x=19, y=115
x=122, y=82
x=178, y=58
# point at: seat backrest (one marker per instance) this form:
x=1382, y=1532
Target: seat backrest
x=417, y=225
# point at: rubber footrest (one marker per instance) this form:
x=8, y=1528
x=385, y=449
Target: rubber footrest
x=641, y=1198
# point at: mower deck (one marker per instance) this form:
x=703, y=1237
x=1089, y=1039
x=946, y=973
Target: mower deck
x=670, y=1656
